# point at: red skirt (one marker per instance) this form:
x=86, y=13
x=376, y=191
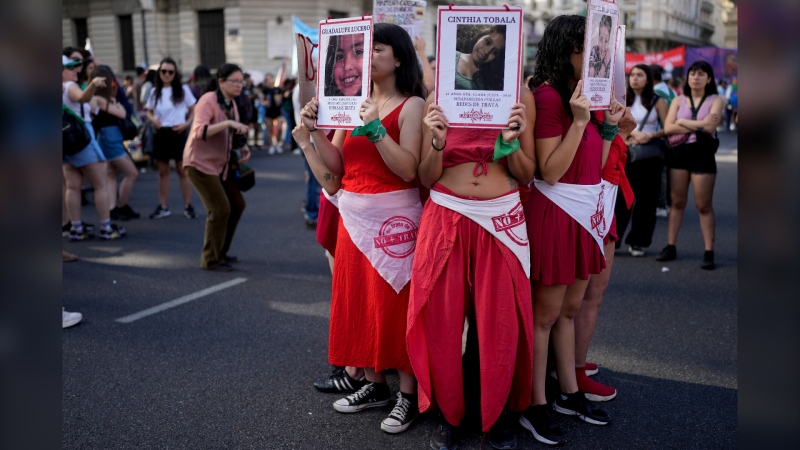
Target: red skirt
x=460, y=265
x=368, y=318
x=327, y=224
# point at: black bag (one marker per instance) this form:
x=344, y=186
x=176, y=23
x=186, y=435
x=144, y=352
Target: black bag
x=129, y=128
x=240, y=174
x=706, y=141
x=75, y=135
x=654, y=148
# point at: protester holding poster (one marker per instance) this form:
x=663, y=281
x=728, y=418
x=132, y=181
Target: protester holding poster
x=380, y=211
x=473, y=234
x=479, y=62
x=343, y=71
x=569, y=213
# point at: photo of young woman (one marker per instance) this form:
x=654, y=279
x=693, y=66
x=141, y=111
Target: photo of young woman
x=600, y=57
x=343, y=65
x=480, y=57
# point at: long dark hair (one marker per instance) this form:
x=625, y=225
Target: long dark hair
x=408, y=77
x=177, y=85
x=647, y=93
x=711, y=87
x=563, y=36
x=108, y=90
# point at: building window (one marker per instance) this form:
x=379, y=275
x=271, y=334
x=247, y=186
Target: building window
x=126, y=42
x=211, y=27
x=338, y=14
x=81, y=32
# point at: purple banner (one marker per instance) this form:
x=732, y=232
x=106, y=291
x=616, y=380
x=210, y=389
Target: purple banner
x=723, y=60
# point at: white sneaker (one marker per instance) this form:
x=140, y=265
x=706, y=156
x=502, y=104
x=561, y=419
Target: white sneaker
x=271, y=150
x=69, y=319
x=662, y=212
x=635, y=250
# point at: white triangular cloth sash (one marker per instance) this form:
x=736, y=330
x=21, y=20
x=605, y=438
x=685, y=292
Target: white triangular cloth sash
x=334, y=199
x=384, y=228
x=502, y=217
x=591, y=205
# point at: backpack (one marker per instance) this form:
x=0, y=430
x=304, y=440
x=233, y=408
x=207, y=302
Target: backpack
x=75, y=135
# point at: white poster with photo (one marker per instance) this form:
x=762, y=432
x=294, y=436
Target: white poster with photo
x=599, y=52
x=343, y=71
x=409, y=14
x=478, y=67
x=620, y=82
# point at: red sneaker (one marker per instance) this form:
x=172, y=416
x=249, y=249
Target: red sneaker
x=591, y=368
x=593, y=390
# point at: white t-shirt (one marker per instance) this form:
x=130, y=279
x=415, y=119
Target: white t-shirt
x=168, y=113
x=86, y=114
x=638, y=111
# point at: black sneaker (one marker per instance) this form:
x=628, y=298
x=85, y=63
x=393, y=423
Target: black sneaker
x=444, y=437
x=404, y=412
x=113, y=232
x=371, y=395
x=668, y=253
x=82, y=235
x=230, y=259
x=501, y=435
x=160, y=212
x=127, y=213
x=340, y=381
x=576, y=404
x=538, y=420
x=114, y=214
x=189, y=212
x=224, y=267
x=708, y=260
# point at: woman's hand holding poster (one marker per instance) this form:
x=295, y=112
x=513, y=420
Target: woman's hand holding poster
x=478, y=64
x=345, y=51
x=599, y=52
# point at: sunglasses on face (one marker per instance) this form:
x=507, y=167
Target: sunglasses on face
x=167, y=72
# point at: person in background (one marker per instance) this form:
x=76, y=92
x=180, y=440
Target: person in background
x=732, y=104
x=722, y=87
x=659, y=86
x=676, y=83
x=696, y=113
x=251, y=116
x=205, y=158
x=127, y=85
x=202, y=81
x=109, y=136
x=271, y=99
x=141, y=74
x=287, y=111
x=169, y=109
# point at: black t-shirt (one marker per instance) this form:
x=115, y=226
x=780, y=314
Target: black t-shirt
x=273, y=96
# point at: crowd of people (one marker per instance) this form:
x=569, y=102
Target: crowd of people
x=408, y=207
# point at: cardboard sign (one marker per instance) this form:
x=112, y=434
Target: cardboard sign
x=599, y=52
x=479, y=56
x=345, y=53
x=409, y=14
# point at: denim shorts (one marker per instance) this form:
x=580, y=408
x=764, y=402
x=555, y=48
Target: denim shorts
x=110, y=140
x=91, y=154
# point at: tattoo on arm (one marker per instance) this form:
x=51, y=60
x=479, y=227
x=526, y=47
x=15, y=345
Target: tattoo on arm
x=327, y=177
x=512, y=182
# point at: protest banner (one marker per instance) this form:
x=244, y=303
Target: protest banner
x=478, y=67
x=599, y=52
x=620, y=82
x=724, y=61
x=409, y=14
x=343, y=71
x=672, y=61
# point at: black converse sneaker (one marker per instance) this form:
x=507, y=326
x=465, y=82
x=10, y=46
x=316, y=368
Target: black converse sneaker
x=404, y=412
x=371, y=395
x=340, y=381
x=576, y=404
x=538, y=420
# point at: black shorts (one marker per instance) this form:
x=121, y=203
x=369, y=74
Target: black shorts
x=168, y=144
x=693, y=157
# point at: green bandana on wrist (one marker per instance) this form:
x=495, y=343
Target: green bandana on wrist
x=608, y=131
x=503, y=148
x=374, y=131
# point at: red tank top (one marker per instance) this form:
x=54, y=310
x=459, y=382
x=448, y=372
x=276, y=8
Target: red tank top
x=365, y=172
x=465, y=145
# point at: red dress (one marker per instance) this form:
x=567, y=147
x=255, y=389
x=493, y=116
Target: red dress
x=368, y=318
x=561, y=249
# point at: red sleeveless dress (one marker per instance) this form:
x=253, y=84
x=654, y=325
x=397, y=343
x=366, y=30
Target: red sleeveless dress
x=368, y=318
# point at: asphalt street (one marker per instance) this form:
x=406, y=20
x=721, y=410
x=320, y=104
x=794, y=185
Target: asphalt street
x=233, y=369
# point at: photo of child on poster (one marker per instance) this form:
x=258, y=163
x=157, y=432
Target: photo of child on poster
x=478, y=64
x=480, y=57
x=600, y=50
x=344, y=71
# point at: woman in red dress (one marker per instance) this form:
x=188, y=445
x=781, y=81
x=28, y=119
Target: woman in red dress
x=380, y=211
x=566, y=216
